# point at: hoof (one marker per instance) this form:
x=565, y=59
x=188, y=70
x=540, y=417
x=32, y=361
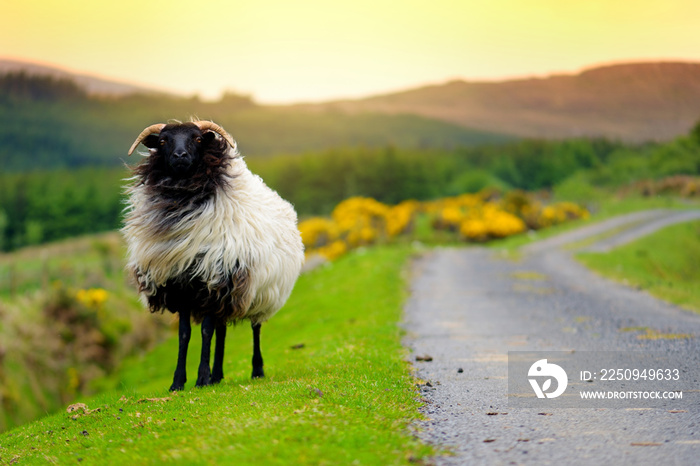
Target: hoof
x=204, y=377
x=216, y=378
x=203, y=382
x=258, y=374
x=179, y=380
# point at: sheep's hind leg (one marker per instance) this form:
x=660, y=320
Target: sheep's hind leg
x=184, y=333
x=204, y=376
x=257, y=355
x=217, y=372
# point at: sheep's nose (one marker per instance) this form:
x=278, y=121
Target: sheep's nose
x=179, y=153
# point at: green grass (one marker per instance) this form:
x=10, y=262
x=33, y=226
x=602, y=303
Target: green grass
x=84, y=261
x=664, y=263
x=40, y=367
x=346, y=396
x=613, y=205
x=51, y=342
x=604, y=209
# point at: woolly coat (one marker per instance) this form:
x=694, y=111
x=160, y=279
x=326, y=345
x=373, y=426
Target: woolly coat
x=236, y=254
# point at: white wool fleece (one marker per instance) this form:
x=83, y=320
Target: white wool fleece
x=245, y=224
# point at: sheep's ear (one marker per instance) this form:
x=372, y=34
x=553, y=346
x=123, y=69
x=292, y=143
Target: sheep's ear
x=208, y=137
x=150, y=141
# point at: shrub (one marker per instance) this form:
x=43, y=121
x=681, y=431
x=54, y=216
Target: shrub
x=362, y=221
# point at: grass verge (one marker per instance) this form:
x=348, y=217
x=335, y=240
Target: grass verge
x=604, y=209
x=664, y=263
x=337, y=391
x=53, y=344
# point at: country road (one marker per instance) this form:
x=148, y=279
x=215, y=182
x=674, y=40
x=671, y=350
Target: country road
x=469, y=307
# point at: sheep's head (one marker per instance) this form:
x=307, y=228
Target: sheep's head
x=186, y=161
x=181, y=146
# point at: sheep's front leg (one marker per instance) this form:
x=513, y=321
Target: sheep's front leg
x=204, y=376
x=217, y=372
x=184, y=333
x=257, y=355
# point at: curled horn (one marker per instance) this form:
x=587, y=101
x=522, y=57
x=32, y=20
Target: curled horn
x=211, y=126
x=153, y=129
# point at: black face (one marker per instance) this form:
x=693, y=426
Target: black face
x=180, y=146
x=185, y=168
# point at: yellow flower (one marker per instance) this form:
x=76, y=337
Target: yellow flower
x=317, y=232
x=73, y=378
x=474, y=229
x=360, y=220
x=93, y=298
x=400, y=217
x=502, y=224
x=333, y=250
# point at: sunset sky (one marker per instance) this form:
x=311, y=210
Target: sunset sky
x=282, y=51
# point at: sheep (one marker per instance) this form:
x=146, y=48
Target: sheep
x=207, y=239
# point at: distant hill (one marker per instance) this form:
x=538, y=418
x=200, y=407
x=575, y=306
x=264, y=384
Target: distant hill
x=51, y=122
x=631, y=102
x=46, y=122
x=90, y=84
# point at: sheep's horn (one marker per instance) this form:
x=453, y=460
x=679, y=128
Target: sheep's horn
x=211, y=126
x=153, y=129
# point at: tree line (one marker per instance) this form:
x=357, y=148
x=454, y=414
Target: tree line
x=62, y=157
x=48, y=205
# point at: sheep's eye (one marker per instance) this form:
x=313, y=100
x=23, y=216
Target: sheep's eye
x=198, y=140
x=162, y=142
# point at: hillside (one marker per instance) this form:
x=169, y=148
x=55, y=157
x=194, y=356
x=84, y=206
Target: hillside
x=630, y=102
x=50, y=122
x=91, y=84
x=52, y=118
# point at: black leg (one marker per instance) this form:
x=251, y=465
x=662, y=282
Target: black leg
x=217, y=372
x=204, y=376
x=257, y=356
x=184, y=333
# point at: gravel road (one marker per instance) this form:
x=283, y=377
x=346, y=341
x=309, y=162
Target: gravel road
x=469, y=307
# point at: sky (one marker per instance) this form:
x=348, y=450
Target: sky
x=284, y=51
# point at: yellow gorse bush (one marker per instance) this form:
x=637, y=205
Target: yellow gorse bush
x=500, y=223
x=474, y=229
x=334, y=250
x=400, y=218
x=361, y=221
x=93, y=298
x=317, y=231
